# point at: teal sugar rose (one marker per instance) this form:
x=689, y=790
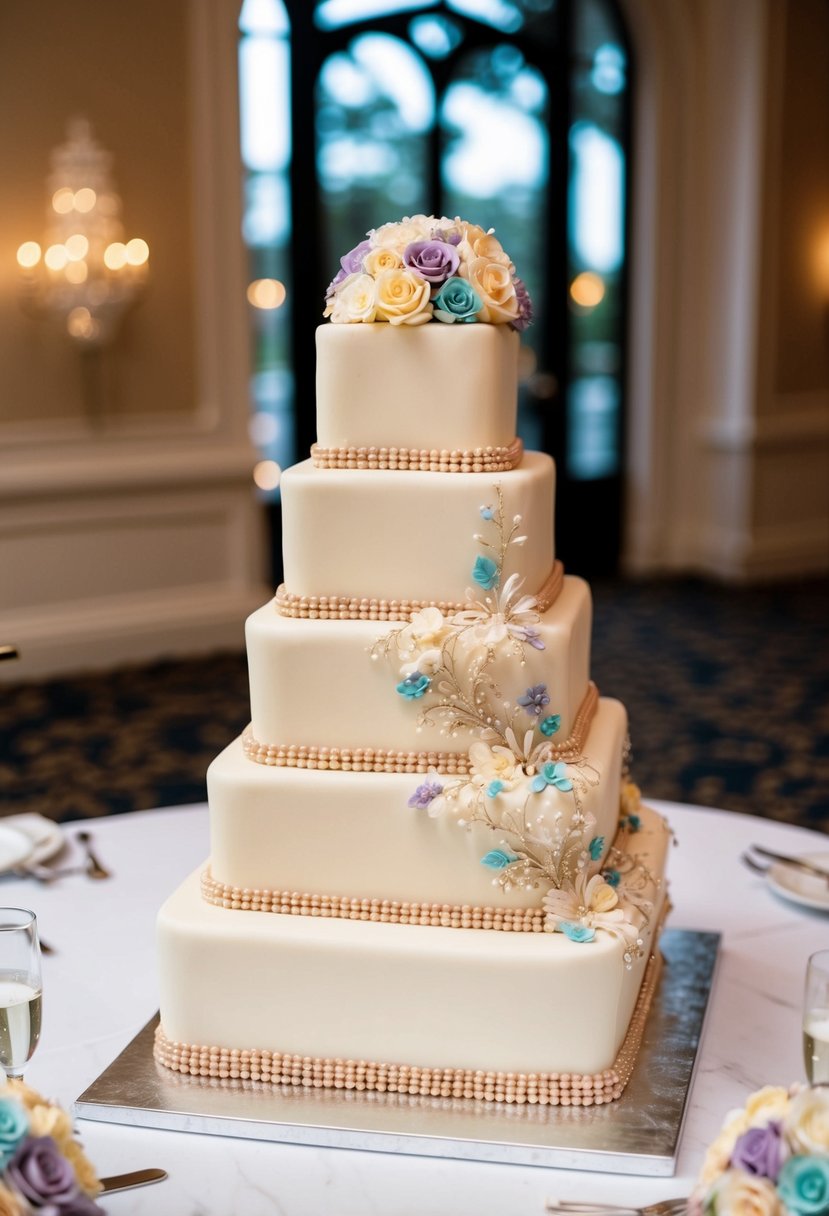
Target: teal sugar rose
x=14, y=1127
x=457, y=300
x=803, y=1186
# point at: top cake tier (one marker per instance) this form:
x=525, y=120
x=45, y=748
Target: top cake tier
x=435, y=388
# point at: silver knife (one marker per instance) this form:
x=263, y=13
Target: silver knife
x=791, y=861
x=123, y=1182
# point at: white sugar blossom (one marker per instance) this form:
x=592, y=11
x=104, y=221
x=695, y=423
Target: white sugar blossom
x=493, y=764
x=356, y=300
x=512, y=615
x=420, y=643
x=590, y=902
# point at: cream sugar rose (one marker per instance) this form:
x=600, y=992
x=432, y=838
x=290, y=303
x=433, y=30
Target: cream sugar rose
x=429, y=823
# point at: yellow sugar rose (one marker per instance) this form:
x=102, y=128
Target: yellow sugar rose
x=45, y=1120
x=489, y=247
x=355, y=300
x=741, y=1194
x=398, y=235
x=381, y=259
x=807, y=1123
x=770, y=1102
x=719, y=1152
x=11, y=1204
x=493, y=283
x=85, y=1174
x=403, y=297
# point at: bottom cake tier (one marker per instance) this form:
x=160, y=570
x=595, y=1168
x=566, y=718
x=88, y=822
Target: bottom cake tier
x=325, y=1000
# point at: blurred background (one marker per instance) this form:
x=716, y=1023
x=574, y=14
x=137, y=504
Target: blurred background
x=180, y=182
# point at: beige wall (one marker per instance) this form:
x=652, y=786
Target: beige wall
x=125, y=68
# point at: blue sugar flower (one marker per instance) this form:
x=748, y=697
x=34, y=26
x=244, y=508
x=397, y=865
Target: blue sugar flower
x=577, y=932
x=497, y=859
x=425, y=794
x=494, y=788
x=552, y=774
x=487, y=513
x=534, y=699
x=550, y=725
x=486, y=573
x=414, y=685
x=611, y=877
x=596, y=845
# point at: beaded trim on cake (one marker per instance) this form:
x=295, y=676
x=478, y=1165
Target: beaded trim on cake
x=473, y=460
x=542, y=1089
x=381, y=760
x=356, y=608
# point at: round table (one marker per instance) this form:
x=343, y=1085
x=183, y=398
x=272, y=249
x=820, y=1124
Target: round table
x=100, y=988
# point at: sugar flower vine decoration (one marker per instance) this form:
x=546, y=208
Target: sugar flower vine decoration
x=531, y=800
x=427, y=268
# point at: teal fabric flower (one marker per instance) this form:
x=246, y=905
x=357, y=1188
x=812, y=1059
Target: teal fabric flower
x=414, y=685
x=486, y=573
x=596, y=845
x=552, y=774
x=550, y=725
x=494, y=788
x=576, y=932
x=456, y=300
x=497, y=859
x=803, y=1185
x=14, y=1128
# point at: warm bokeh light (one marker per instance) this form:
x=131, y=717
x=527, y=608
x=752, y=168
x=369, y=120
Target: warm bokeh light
x=63, y=200
x=587, y=289
x=85, y=199
x=28, y=254
x=137, y=251
x=527, y=362
x=821, y=262
x=56, y=257
x=266, y=474
x=81, y=324
x=77, y=246
x=263, y=428
x=76, y=272
x=115, y=255
x=266, y=293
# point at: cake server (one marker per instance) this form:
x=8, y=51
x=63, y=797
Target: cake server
x=123, y=1182
x=785, y=860
x=667, y=1207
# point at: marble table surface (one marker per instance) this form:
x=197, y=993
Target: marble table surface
x=100, y=988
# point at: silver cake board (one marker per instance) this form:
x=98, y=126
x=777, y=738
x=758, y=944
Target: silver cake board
x=637, y=1134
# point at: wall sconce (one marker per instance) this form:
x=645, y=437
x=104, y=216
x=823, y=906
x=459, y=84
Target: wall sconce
x=85, y=274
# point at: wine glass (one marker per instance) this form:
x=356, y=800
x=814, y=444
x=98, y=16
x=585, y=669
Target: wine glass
x=816, y=1019
x=20, y=989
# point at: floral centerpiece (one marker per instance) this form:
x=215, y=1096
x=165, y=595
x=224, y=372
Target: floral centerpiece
x=45, y=1172
x=771, y=1158
x=424, y=268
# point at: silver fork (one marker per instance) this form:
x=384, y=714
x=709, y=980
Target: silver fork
x=666, y=1207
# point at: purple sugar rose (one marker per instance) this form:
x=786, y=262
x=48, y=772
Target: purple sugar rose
x=525, y=306
x=331, y=289
x=760, y=1151
x=434, y=261
x=80, y=1205
x=352, y=262
x=41, y=1174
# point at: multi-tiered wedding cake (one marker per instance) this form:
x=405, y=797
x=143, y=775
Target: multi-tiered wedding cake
x=429, y=872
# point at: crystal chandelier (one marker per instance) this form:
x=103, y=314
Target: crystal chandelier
x=85, y=275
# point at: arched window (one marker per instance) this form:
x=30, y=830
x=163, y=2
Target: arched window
x=512, y=113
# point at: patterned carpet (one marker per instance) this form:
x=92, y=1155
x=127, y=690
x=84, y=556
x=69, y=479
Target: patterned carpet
x=727, y=691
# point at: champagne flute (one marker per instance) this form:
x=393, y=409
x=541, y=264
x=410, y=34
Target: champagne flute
x=816, y=1019
x=20, y=989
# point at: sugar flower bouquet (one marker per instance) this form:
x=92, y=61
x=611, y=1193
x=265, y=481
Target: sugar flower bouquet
x=424, y=268
x=45, y=1172
x=771, y=1158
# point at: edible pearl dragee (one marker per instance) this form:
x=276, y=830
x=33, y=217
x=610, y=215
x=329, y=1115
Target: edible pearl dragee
x=421, y=460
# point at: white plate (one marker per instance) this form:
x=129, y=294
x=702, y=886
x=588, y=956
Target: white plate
x=15, y=846
x=799, y=886
x=46, y=837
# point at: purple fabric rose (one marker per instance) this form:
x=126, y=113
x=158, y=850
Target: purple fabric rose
x=42, y=1175
x=760, y=1151
x=525, y=306
x=434, y=261
x=352, y=262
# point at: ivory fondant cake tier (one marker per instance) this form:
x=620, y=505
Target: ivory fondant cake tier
x=429, y=871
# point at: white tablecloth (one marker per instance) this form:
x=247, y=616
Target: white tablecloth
x=100, y=988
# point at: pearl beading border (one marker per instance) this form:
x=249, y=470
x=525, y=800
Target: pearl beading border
x=381, y=760
x=362, y=608
x=541, y=1089
x=491, y=459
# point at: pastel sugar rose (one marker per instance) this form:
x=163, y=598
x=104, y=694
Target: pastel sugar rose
x=377, y=260
x=803, y=1185
x=434, y=261
x=14, y=1127
x=770, y=1102
x=402, y=233
x=525, y=306
x=739, y=1194
x=760, y=1151
x=352, y=262
x=355, y=301
x=807, y=1122
x=470, y=233
x=493, y=283
x=488, y=246
x=331, y=290
x=11, y=1204
x=41, y=1174
x=457, y=300
x=403, y=297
